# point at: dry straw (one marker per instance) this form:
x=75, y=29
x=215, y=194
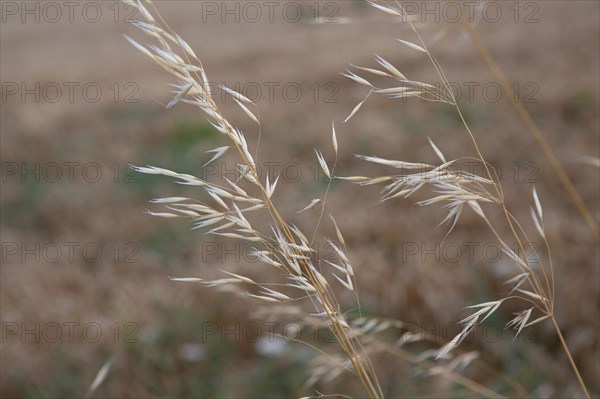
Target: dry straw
x=225, y=208
x=223, y=212
x=534, y=287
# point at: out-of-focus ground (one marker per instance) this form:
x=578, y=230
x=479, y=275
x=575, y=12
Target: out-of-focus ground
x=84, y=270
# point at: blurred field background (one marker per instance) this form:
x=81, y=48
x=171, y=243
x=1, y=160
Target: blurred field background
x=154, y=330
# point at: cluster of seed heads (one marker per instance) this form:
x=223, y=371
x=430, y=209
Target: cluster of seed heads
x=223, y=211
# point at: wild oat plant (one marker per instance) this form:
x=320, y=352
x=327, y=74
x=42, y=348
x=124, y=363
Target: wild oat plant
x=310, y=280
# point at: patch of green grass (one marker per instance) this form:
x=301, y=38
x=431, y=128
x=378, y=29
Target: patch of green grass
x=65, y=379
x=475, y=115
x=577, y=106
x=187, y=134
x=19, y=212
x=168, y=241
x=183, y=150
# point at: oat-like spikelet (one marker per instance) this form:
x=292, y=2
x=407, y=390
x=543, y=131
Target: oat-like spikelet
x=224, y=208
x=533, y=283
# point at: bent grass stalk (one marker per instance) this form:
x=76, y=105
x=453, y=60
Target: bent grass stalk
x=460, y=189
x=535, y=131
x=285, y=243
x=289, y=251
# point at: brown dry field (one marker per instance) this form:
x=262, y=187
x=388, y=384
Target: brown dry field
x=162, y=352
